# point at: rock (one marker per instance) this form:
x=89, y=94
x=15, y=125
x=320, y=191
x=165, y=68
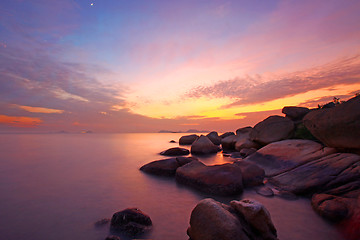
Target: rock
x=166, y=167
x=214, y=138
x=102, y=222
x=272, y=129
x=131, y=221
x=337, y=127
x=223, y=179
x=330, y=207
x=265, y=191
x=172, y=141
x=211, y=220
x=236, y=155
x=257, y=216
x=329, y=105
x=245, y=152
x=112, y=237
x=314, y=176
x=245, y=131
x=282, y=156
x=245, y=143
x=252, y=174
x=203, y=145
x=295, y=113
x=224, y=135
x=176, y=151
x=188, y=139
x=286, y=195
x=228, y=143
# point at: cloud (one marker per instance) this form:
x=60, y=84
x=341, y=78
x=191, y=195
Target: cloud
x=21, y=121
x=258, y=89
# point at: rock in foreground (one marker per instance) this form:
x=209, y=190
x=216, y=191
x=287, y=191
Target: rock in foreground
x=243, y=220
x=131, y=221
x=203, y=145
x=223, y=179
x=176, y=151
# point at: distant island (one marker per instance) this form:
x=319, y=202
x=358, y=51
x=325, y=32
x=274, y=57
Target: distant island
x=188, y=131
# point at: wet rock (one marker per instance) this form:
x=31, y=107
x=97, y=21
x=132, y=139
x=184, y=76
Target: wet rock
x=314, y=176
x=282, y=156
x=272, y=129
x=252, y=174
x=224, y=135
x=257, y=216
x=245, y=152
x=223, y=179
x=131, y=221
x=185, y=160
x=164, y=167
x=337, y=127
x=295, y=113
x=188, y=139
x=203, y=145
x=212, y=220
x=330, y=207
x=176, y=151
x=214, y=138
x=265, y=191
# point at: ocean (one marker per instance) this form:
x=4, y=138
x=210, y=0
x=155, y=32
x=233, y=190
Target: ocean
x=56, y=186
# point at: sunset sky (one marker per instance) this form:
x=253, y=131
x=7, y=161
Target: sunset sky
x=147, y=65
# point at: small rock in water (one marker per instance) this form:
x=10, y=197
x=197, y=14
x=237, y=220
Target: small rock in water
x=176, y=151
x=172, y=141
x=112, y=237
x=286, y=195
x=265, y=191
x=131, y=221
x=102, y=222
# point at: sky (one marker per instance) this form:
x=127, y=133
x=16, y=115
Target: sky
x=149, y=65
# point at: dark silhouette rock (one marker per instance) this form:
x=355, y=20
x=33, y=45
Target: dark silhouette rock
x=203, y=145
x=295, y=113
x=236, y=155
x=244, y=131
x=185, y=160
x=223, y=179
x=188, y=139
x=176, y=151
x=282, y=156
x=337, y=127
x=224, y=135
x=252, y=174
x=265, y=191
x=166, y=167
x=272, y=129
x=257, y=216
x=131, y=221
x=214, y=138
x=228, y=143
x=172, y=141
x=314, y=176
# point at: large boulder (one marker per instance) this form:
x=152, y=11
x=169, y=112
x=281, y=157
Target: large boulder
x=223, y=179
x=257, y=216
x=188, y=139
x=228, y=143
x=176, y=151
x=244, y=131
x=242, y=220
x=272, y=129
x=226, y=134
x=295, y=113
x=330, y=207
x=252, y=174
x=214, y=138
x=131, y=221
x=282, y=156
x=242, y=135
x=245, y=143
x=203, y=145
x=337, y=127
x=166, y=167
x=317, y=175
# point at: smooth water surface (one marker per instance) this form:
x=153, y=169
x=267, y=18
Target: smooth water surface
x=56, y=186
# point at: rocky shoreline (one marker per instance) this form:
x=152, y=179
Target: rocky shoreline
x=308, y=152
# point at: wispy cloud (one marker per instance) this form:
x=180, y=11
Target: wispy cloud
x=258, y=89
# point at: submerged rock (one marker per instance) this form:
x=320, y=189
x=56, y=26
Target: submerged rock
x=203, y=145
x=272, y=129
x=223, y=179
x=242, y=220
x=176, y=151
x=337, y=127
x=131, y=221
x=188, y=139
x=265, y=191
